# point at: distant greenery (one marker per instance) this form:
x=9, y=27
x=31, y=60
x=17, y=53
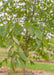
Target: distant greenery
x=30, y=57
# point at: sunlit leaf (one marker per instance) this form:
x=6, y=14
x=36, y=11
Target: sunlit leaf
x=38, y=34
x=23, y=57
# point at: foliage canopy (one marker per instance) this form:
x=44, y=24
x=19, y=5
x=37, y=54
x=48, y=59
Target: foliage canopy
x=24, y=26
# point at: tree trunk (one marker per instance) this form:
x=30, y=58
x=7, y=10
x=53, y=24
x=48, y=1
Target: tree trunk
x=26, y=47
x=24, y=71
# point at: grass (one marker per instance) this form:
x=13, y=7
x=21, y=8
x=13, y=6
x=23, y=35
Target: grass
x=3, y=55
x=11, y=74
x=36, y=66
x=3, y=50
x=41, y=66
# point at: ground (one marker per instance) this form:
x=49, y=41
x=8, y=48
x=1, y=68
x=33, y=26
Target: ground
x=44, y=67
x=5, y=70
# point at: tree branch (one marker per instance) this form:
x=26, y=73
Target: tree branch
x=22, y=45
x=25, y=6
x=33, y=10
x=34, y=1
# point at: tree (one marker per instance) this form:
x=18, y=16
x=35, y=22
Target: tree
x=24, y=26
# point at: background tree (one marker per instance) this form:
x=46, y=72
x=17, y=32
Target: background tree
x=24, y=26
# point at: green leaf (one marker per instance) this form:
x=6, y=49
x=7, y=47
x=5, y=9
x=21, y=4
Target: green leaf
x=16, y=64
x=0, y=64
x=5, y=60
x=42, y=12
x=3, y=31
x=44, y=41
x=32, y=63
x=36, y=57
x=38, y=34
x=22, y=63
x=23, y=57
x=31, y=30
x=9, y=1
x=5, y=5
x=27, y=25
x=38, y=46
x=9, y=53
x=16, y=41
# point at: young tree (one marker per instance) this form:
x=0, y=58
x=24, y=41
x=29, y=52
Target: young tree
x=25, y=25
